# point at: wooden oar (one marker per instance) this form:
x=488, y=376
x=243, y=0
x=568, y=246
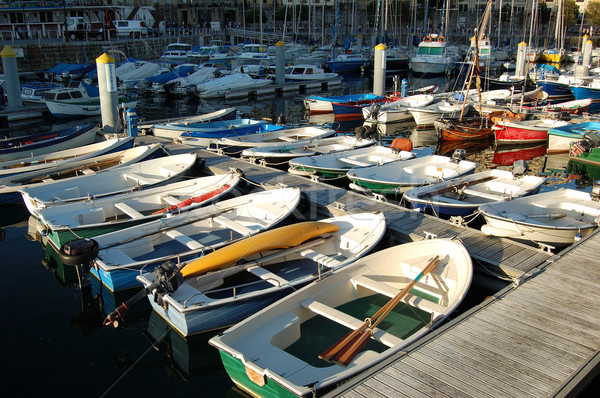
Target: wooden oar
x=460, y=185
x=350, y=345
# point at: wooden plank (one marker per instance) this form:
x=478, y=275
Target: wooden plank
x=445, y=350
x=392, y=385
x=481, y=357
x=451, y=375
x=515, y=366
x=428, y=382
x=567, y=333
x=559, y=312
x=518, y=343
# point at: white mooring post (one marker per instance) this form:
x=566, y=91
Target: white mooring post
x=521, y=58
x=107, y=86
x=11, y=77
x=379, y=70
x=279, y=62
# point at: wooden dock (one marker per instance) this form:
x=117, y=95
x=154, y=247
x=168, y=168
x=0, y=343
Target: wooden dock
x=537, y=339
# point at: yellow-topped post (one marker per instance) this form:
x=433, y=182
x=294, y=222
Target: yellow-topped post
x=11, y=77
x=379, y=65
x=587, y=51
x=279, y=62
x=359, y=42
x=107, y=86
x=521, y=58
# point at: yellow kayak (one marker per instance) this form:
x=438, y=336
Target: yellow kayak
x=278, y=238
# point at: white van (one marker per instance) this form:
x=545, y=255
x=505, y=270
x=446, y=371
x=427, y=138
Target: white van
x=131, y=28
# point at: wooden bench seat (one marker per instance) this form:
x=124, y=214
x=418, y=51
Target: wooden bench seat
x=183, y=239
x=267, y=276
x=130, y=211
x=349, y=321
x=233, y=225
x=390, y=291
x=320, y=258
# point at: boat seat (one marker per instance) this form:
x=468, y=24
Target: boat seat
x=445, y=199
x=88, y=171
x=288, y=139
x=355, y=162
x=387, y=290
x=354, y=241
x=267, y=276
x=486, y=195
x=349, y=321
x=136, y=178
x=233, y=225
x=131, y=212
x=170, y=200
x=183, y=239
x=320, y=258
x=167, y=172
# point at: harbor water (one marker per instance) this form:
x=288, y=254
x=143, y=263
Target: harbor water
x=54, y=340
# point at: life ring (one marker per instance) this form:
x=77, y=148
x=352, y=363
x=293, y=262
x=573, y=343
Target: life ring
x=427, y=39
x=441, y=39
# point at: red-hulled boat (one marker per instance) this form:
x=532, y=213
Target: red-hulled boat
x=506, y=155
x=524, y=131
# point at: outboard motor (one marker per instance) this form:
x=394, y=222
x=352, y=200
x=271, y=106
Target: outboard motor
x=363, y=132
x=168, y=276
x=458, y=155
x=595, y=193
x=520, y=167
x=592, y=138
x=79, y=252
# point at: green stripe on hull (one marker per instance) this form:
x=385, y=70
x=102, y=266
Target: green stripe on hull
x=237, y=372
x=381, y=187
x=59, y=238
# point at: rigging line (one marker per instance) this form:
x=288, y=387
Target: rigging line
x=132, y=366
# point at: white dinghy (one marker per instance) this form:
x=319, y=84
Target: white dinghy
x=95, y=216
x=109, y=182
x=283, y=152
x=234, y=145
x=278, y=351
x=555, y=218
x=31, y=163
x=232, y=283
x=399, y=177
x=184, y=237
x=462, y=196
x=336, y=164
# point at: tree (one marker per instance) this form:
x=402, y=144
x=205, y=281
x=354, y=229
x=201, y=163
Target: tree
x=592, y=13
x=571, y=11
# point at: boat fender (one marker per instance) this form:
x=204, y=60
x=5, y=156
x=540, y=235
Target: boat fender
x=168, y=276
x=520, y=167
x=79, y=251
x=402, y=144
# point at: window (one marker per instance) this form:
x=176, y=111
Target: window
x=63, y=96
x=76, y=94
